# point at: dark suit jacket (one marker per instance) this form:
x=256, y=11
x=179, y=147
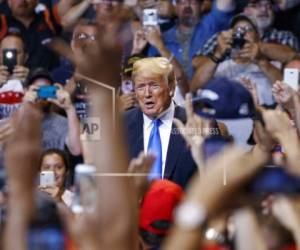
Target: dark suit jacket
x=180, y=165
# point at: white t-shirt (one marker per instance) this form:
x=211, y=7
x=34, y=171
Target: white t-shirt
x=232, y=70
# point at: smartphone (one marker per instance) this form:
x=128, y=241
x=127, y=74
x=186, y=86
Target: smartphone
x=47, y=178
x=85, y=188
x=274, y=179
x=291, y=78
x=45, y=92
x=150, y=17
x=9, y=57
x=127, y=87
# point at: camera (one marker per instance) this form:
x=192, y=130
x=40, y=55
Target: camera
x=10, y=59
x=238, y=40
x=45, y=92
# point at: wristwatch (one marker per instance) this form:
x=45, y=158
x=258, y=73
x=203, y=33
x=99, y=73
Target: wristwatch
x=190, y=216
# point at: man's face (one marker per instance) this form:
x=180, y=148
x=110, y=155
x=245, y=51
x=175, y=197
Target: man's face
x=84, y=36
x=22, y=8
x=13, y=42
x=251, y=34
x=106, y=9
x=154, y=94
x=188, y=12
x=261, y=12
x=53, y=162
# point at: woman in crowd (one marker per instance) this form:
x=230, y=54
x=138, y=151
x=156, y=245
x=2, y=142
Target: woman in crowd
x=57, y=161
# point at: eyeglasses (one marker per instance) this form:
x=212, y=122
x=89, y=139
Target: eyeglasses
x=84, y=36
x=142, y=87
x=244, y=28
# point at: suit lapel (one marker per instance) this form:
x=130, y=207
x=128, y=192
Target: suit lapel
x=137, y=133
x=176, y=144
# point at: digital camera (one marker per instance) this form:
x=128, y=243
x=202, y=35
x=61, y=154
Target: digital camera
x=238, y=38
x=45, y=92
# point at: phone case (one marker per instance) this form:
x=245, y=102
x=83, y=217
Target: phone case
x=47, y=178
x=150, y=17
x=291, y=78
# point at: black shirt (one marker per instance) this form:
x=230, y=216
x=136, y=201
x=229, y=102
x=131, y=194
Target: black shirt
x=44, y=26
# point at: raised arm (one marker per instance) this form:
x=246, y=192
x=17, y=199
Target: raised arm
x=74, y=13
x=207, y=65
x=23, y=146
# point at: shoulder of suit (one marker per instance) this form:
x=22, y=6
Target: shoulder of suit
x=132, y=115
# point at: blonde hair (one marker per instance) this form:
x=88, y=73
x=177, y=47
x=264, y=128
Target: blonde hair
x=154, y=66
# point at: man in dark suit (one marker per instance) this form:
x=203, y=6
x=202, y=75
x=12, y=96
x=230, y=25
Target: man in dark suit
x=150, y=126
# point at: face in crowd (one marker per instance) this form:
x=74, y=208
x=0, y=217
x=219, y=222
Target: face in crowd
x=84, y=36
x=188, y=12
x=262, y=12
x=251, y=34
x=154, y=84
x=14, y=42
x=22, y=8
x=54, y=162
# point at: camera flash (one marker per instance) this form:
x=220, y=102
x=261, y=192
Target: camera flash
x=9, y=55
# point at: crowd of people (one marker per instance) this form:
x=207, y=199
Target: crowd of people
x=149, y=124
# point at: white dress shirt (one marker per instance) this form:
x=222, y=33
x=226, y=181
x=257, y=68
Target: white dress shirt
x=164, y=130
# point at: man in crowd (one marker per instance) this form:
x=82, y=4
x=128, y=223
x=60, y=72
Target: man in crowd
x=58, y=131
x=261, y=12
x=12, y=76
x=36, y=28
x=186, y=38
x=244, y=60
x=150, y=126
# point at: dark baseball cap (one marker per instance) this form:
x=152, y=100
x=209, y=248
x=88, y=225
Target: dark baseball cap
x=127, y=66
x=38, y=73
x=242, y=17
x=223, y=98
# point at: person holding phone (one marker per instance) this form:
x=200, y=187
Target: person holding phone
x=13, y=72
x=13, y=58
x=55, y=161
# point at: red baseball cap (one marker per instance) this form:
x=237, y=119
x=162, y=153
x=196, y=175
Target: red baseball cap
x=158, y=205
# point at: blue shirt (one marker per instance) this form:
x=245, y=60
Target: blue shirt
x=215, y=21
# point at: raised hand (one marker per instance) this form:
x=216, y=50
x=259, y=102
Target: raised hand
x=194, y=131
x=139, y=168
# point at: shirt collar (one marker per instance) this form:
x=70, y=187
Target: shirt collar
x=166, y=116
